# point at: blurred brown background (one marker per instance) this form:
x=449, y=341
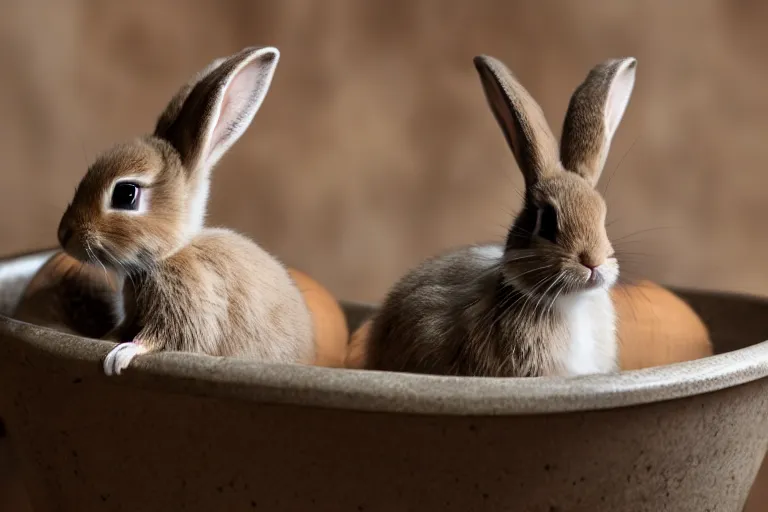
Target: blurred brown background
x=375, y=149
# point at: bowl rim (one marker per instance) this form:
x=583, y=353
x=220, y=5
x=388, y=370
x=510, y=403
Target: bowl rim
x=390, y=392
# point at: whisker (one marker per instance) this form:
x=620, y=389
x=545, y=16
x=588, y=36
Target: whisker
x=520, y=230
x=521, y=258
x=501, y=308
x=532, y=294
x=96, y=258
x=534, y=270
x=528, y=295
x=554, y=300
x=627, y=243
x=555, y=281
x=119, y=263
x=616, y=169
x=662, y=228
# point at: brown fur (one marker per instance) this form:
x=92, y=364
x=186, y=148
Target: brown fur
x=112, y=238
x=187, y=287
x=582, y=150
x=452, y=316
x=528, y=308
x=215, y=274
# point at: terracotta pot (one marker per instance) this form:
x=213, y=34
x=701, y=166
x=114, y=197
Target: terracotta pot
x=196, y=433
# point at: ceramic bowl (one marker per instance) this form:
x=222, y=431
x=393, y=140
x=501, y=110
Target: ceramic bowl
x=197, y=433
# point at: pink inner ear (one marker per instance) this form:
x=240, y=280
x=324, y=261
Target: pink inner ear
x=618, y=97
x=217, y=132
x=235, y=105
x=241, y=99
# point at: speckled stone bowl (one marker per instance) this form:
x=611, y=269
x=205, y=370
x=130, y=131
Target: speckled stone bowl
x=195, y=433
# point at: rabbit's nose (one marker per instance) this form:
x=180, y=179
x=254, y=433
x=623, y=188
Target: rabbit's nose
x=589, y=261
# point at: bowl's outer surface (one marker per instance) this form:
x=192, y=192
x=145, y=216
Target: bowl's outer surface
x=185, y=432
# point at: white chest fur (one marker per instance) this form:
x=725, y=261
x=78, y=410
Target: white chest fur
x=590, y=320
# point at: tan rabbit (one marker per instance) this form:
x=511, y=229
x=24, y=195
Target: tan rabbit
x=82, y=299
x=140, y=211
x=540, y=304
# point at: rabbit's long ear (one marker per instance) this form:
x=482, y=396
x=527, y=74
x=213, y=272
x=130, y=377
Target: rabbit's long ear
x=594, y=113
x=171, y=112
x=520, y=118
x=210, y=113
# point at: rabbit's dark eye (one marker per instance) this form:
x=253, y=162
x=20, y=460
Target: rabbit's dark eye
x=546, y=223
x=125, y=196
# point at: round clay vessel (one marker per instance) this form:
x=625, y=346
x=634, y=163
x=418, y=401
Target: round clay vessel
x=198, y=433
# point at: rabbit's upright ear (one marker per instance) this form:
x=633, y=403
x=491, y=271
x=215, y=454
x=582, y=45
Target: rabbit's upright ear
x=594, y=113
x=210, y=113
x=520, y=118
x=171, y=112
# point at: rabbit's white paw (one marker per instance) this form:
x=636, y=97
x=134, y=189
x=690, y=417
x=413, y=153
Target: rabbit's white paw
x=120, y=357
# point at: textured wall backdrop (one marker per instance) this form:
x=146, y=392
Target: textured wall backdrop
x=375, y=148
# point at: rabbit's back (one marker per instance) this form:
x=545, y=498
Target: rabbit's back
x=224, y=295
x=447, y=317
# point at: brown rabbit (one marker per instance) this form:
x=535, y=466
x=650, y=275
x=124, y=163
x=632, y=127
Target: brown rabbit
x=540, y=304
x=140, y=211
